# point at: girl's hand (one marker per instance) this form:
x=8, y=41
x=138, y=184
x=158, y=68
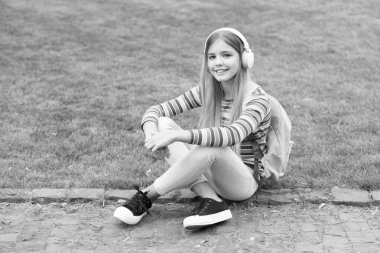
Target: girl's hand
x=150, y=129
x=160, y=140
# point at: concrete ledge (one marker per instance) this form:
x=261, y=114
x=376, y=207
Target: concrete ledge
x=315, y=196
x=174, y=196
x=46, y=195
x=339, y=196
x=85, y=194
x=277, y=197
x=118, y=194
x=375, y=197
x=178, y=196
x=350, y=196
x=15, y=195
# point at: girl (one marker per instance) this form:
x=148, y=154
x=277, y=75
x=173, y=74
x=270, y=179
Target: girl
x=233, y=126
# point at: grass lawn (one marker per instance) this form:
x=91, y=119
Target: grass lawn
x=76, y=77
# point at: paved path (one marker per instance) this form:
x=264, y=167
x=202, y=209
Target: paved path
x=90, y=227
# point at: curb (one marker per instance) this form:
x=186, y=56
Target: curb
x=338, y=196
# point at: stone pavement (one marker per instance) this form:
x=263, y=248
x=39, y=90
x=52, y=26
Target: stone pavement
x=255, y=227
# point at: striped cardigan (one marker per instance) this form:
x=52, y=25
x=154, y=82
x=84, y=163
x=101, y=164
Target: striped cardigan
x=250, y=128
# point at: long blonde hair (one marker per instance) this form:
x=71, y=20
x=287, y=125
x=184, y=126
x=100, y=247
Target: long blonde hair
x=211, y=90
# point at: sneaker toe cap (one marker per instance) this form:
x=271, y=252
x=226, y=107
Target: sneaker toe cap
x=191, y=220
x=125, y=215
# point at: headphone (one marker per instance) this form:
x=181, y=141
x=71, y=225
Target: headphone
x=247, y=56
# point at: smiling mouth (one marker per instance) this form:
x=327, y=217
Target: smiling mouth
x=220, y=71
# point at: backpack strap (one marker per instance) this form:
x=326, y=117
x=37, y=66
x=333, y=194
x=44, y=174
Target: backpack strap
x=256, y=172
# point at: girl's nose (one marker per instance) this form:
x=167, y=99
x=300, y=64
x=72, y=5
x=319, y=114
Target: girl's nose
x=218, y=60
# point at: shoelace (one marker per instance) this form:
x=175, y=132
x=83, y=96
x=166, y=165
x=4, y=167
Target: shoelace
x=137, y=201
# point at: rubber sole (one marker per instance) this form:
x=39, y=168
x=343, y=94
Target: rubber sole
x=197, y=222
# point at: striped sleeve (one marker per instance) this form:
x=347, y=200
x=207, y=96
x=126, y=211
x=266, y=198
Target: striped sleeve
x=256, y=112
x=189, y=100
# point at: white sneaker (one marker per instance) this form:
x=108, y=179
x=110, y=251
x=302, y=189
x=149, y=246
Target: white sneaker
x=135, y=208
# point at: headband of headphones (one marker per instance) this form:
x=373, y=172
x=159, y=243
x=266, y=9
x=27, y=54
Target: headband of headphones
x=234, y=31
x=248, y=57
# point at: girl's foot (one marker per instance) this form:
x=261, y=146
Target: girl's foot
x=134, y=209
x=209, y=213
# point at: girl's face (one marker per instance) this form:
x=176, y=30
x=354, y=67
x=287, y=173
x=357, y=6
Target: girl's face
x=223, y=61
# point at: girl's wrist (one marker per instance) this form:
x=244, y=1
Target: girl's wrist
x=183, y=136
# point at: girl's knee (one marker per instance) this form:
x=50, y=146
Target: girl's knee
x=241, y=193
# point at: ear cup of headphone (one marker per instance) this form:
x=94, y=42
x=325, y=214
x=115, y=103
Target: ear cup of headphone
x=247, y=59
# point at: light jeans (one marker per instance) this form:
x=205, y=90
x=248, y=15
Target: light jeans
x=191, y=164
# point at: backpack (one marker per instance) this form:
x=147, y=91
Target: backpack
x=279, y=145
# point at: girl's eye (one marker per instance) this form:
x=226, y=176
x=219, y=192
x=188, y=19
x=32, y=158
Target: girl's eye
x=226, y=55
x=210, y=57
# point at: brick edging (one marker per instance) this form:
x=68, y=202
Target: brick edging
x=339, y=196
